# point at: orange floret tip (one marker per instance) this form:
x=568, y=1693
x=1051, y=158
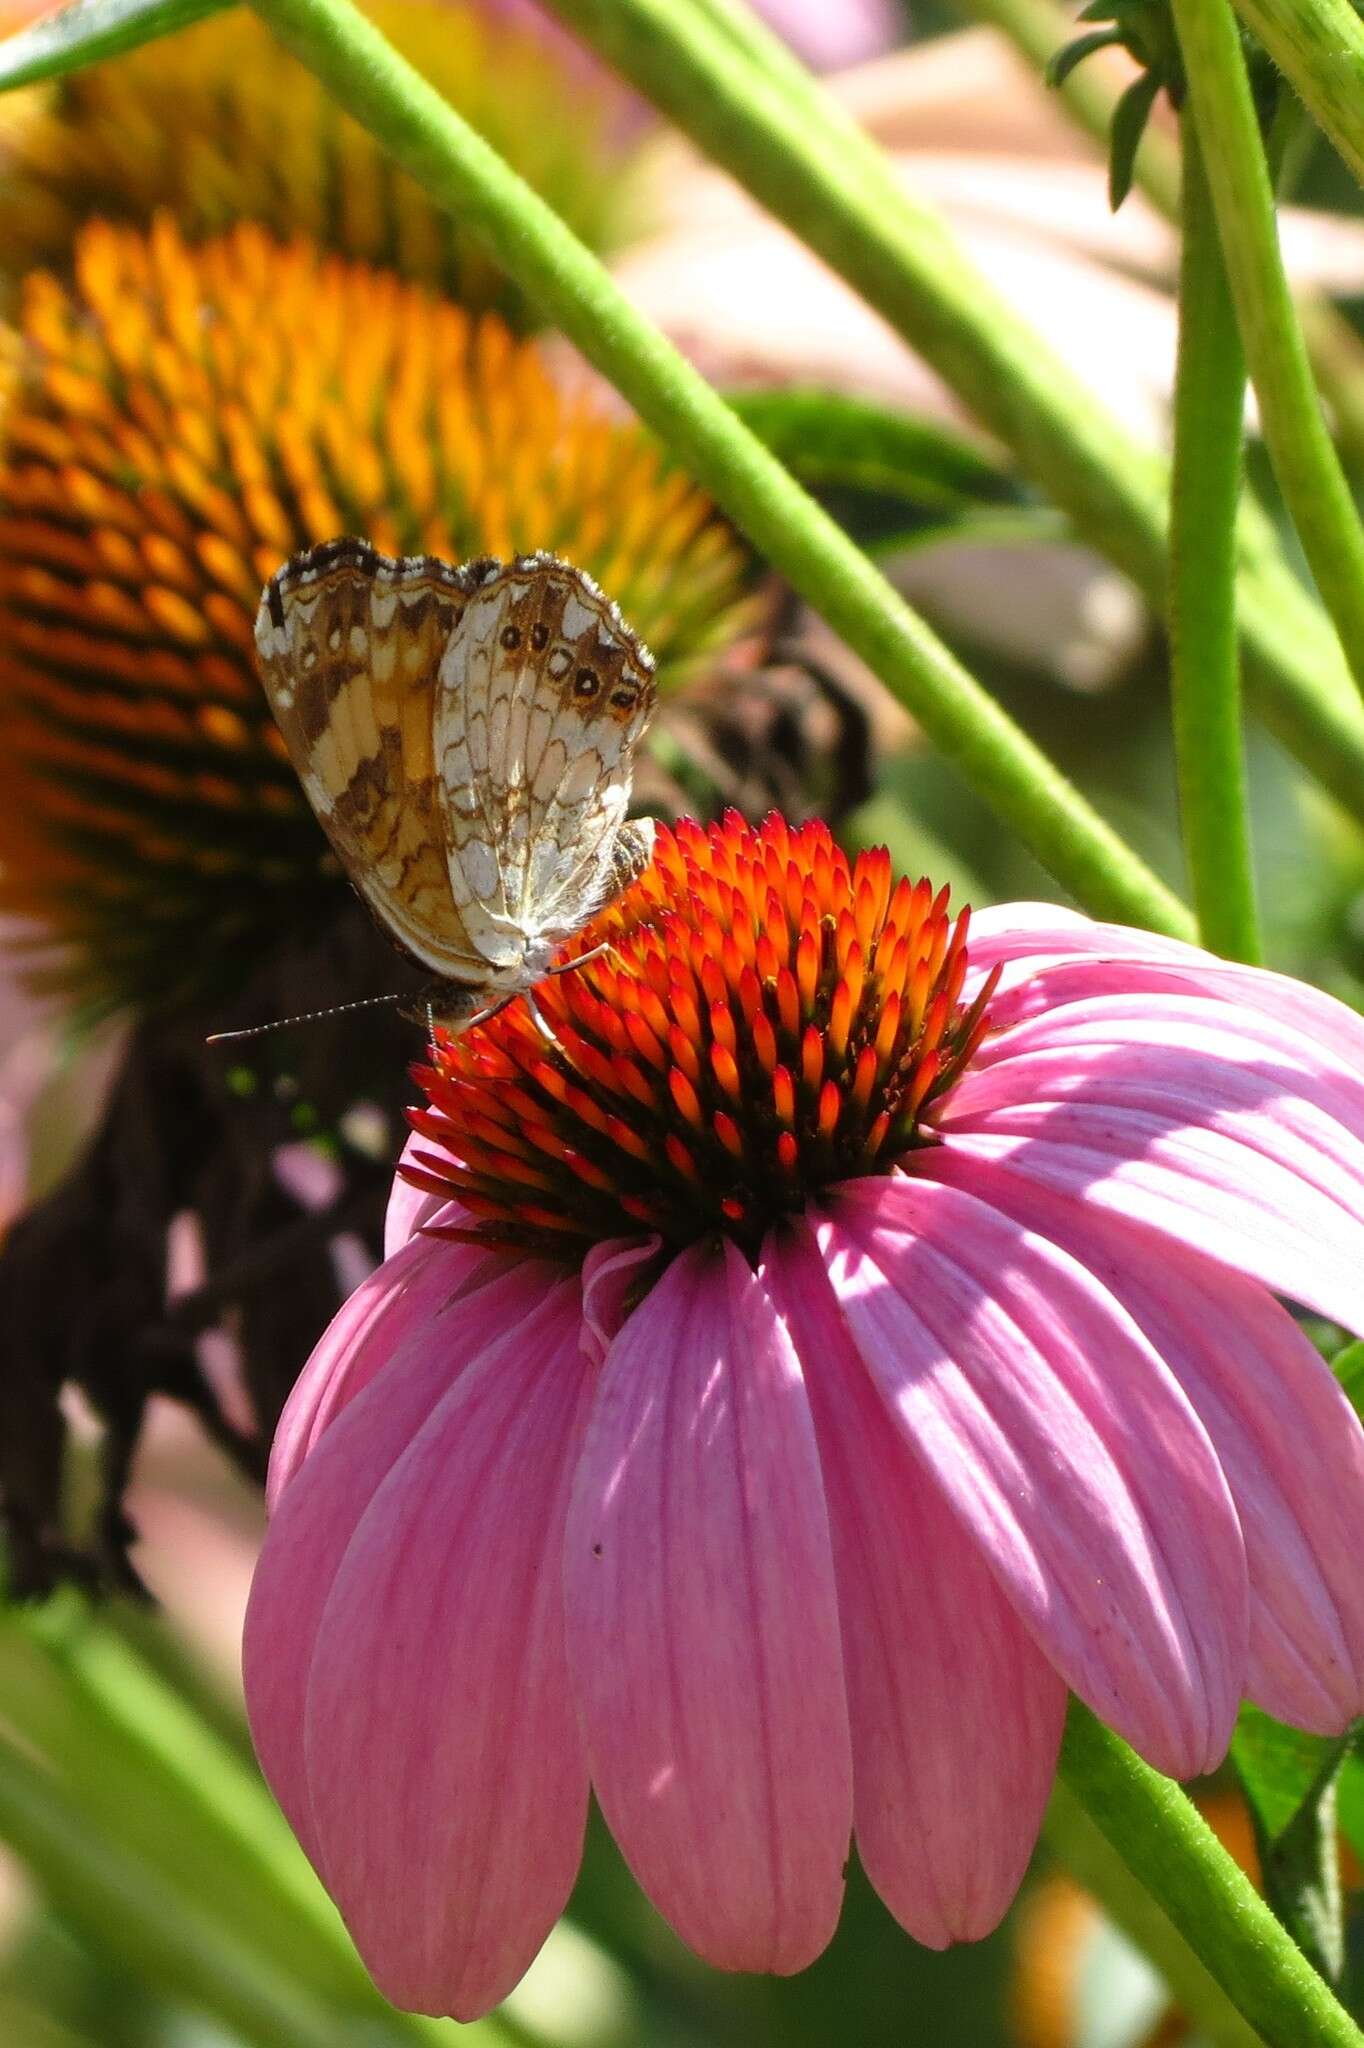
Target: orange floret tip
x=695, y=1084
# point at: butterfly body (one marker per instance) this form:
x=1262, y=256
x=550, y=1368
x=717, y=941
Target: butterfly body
x=466, y=737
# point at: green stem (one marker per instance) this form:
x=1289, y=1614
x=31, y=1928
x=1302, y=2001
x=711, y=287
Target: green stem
x=1319, y=47
x=1205, y=669
x=368, y=77
x=1170, y=1848
x=1076, y=1843
x=1038, y=29
x=830, y=184
x=1305, y=461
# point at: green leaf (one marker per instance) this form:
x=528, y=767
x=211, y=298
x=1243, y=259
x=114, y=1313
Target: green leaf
x=1350, y=1798
x=88, y=31
x=891, y=480
x=1065, y=60
x=829, y=439
x=1129, y=125
x=1290, y=1783
x=1348, y=1367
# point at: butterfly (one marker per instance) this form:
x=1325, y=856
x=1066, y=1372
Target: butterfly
x=466, y=737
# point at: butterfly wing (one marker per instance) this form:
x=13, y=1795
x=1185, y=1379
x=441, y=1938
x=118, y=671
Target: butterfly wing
x=543, y=696
x=350, y=642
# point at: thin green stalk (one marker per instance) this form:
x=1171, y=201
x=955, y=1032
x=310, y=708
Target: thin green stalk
x=830, y=184
x=1169, y=1847
x=368, y=77
x=1205, y=666
x=1305, y=461
x=1319, y=47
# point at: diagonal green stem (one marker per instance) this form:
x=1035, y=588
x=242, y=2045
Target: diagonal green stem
x=1169, y=1847
x=1319, y=47
x=1075, y=1841
x=1305, y=461
x=1205, y=669
x=370, y=79
x=828, y=182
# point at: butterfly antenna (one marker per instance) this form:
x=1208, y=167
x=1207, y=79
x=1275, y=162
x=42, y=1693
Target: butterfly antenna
x=305, y=1017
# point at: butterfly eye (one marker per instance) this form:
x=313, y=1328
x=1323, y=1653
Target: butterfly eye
x=587, y=682
x=539, y=635
x=511, y=637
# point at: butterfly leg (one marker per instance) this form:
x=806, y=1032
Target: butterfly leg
x=537, y=1019
x=489, y=1010
x=594, y=953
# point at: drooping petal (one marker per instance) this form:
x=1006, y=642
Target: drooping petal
x=1288, y=1440
x=1232, y=1140
x=448, y=1787
x=956, y=1714
x=1064, y=1446
x=364, y=1334
x=429, y=1698
x=312, y=1524
x=702, y=1623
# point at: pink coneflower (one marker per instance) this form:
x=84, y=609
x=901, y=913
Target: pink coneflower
x=776, y=1398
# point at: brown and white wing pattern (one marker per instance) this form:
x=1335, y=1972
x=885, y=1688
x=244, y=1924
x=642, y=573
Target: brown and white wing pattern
x=543, y=695
x=350, y=643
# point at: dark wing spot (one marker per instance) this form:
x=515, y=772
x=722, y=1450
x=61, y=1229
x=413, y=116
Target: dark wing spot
x=625, y=700
x=586, y=683
x=510, y=637
x=539, y=636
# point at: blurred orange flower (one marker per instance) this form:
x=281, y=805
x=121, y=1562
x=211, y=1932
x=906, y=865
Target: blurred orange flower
x=185, y=418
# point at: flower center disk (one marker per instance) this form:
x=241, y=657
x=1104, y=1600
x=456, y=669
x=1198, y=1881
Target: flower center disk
x=770, y=1019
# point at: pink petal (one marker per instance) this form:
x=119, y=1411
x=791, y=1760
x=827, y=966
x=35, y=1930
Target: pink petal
x=408, y=1207
x=312, y=1523
x=448, y=1787
x=1052, y=956
x=1065, y=1447
x=826, y=36
x=702, y=1624
x=1095, y=1003
x=956, y=1715
x=364, y=1335
x=610, y=1271
x=1238, y=1144
x=1288, y=1440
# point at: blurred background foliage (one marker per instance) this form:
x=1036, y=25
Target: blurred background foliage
x=231, y=328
